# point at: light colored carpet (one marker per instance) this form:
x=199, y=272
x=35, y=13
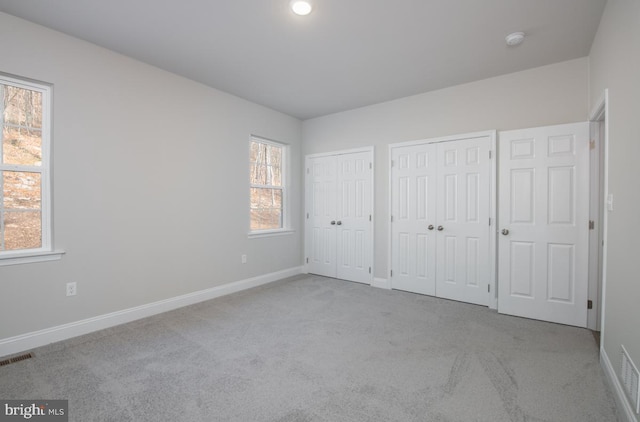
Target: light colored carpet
x=317, y=349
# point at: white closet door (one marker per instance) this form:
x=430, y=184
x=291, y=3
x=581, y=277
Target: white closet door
x=440, y=233
x=544, y=206
x=413, y=235
x=353, y=216
x=321, y=213
x=463, y=204
x=339, y=227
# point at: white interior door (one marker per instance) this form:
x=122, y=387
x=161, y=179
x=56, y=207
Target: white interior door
x=354, y=216
x=321, y=213
x=440, y=206
x=464, y=192
x=339, y=202
x=543, y=216
x=413, y=235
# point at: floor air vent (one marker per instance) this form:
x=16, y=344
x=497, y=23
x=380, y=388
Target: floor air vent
x=630, y=378
x=15, y=359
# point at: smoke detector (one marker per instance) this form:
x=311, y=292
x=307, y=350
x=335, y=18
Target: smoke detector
x=514, y=39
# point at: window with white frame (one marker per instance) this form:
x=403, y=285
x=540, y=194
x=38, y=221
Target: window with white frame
x=268, y=189
x=24, y=168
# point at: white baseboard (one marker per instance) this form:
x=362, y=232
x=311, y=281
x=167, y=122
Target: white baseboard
x=381, y=283
x=624, y=407
x=23, y=342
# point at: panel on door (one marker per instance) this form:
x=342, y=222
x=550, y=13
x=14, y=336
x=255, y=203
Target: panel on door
x=413, y=235
x=353, y=217
x=463, y=208
x=543, y=215
x=321, y=210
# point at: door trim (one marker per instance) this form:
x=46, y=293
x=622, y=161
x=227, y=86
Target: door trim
x=600, y=114
x=367, y=149
x=492, y=134
x=370, y=149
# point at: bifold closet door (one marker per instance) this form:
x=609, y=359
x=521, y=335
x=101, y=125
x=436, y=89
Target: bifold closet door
x=413, y=238
x=544, y=223
x=339, y=238
x=354, y=217
x=440, y=233
x=321, y=216
x=464, y=192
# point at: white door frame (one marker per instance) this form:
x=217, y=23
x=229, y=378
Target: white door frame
x=598, y=273
x=368, y=149
x=493, y=303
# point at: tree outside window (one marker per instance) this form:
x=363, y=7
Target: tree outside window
x=267, y=193
x=22, y=173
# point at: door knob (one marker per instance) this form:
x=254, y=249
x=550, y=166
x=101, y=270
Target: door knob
x=339, y=223
x=430, y=227
x=505, y=232
x=333, y=222
x=440, y=228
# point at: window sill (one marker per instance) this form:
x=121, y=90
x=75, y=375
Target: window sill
x=270, y=233
x=30, y=257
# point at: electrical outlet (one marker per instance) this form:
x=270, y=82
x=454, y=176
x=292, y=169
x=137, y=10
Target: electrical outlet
x=72, y=289
x=244, y=259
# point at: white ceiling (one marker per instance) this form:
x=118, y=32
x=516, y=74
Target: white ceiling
x=346, y=54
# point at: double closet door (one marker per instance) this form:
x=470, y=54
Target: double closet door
x=339, y=202
x=440, y=230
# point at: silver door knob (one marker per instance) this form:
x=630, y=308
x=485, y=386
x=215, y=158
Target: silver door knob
x=440, y=228
x=333, y=223
x=505, y=232
x=430, y=227
x=339, y=223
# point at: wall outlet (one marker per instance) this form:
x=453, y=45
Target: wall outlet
x=244, y=259
x=72, y=289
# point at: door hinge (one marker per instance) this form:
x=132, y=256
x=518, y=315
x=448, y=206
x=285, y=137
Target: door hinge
x=392, y=219
x=391, y=273
x=592, y=145
x=488, y=288
x=489, y=221
x=369, y=270
x=592, y=225
x=307, y=260
x=370, y=166
x=490, y=154
x=369, y=217
x=307, y=170
x=589, y=304
x=307, y=216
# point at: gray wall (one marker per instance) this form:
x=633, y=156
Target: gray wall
x=150, y=184
x=147, y=184
x=543, y=96
x=615, y=64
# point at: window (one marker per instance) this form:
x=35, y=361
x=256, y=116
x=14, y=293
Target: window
x=24, y=168
x=268, y=191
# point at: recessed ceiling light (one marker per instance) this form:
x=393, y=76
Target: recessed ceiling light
x=301, y=7
x=515, y=38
